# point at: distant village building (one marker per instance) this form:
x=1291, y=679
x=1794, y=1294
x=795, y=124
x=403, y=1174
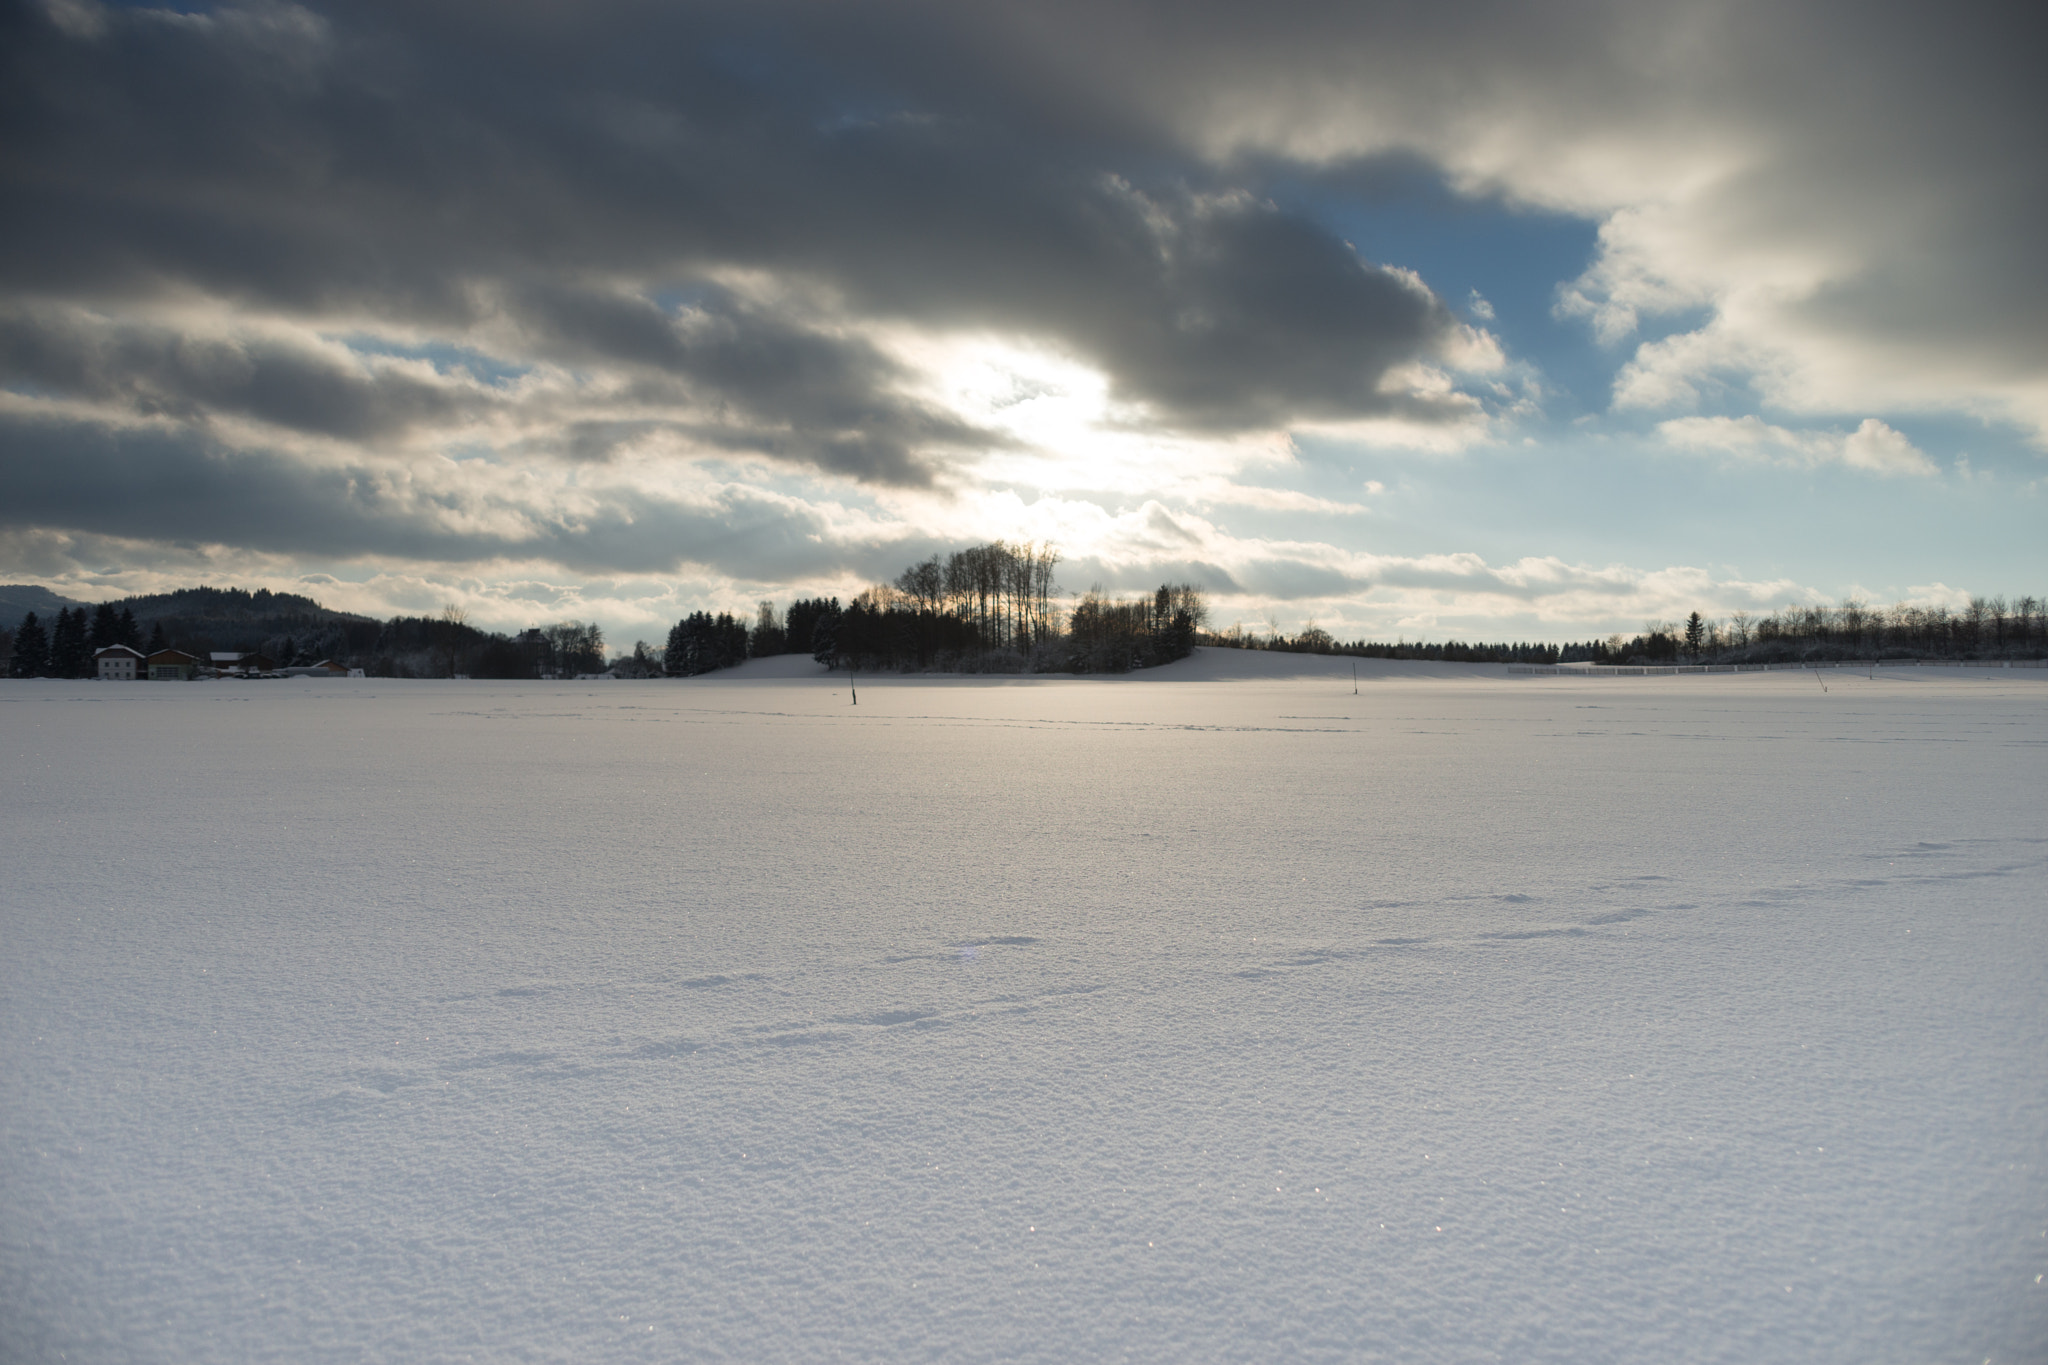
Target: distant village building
x=243, y=665
x=117, y=663
x=172, y=665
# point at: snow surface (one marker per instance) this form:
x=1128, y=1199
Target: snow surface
x=1471, y=1017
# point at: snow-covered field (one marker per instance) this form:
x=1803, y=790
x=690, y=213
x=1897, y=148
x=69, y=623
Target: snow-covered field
x=1213, y=1014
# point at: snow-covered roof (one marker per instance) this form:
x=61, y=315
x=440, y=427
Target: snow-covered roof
x=112, y=651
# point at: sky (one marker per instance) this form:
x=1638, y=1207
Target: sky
x=1486, y=321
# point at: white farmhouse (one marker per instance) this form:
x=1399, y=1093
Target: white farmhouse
x=118, y=663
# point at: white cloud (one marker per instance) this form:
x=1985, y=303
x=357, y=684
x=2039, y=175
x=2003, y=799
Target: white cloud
x=1880, y=450
x=1850, y=195
x=1873, y=447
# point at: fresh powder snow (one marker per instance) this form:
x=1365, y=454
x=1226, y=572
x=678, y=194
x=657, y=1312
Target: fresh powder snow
x=1221, y=1012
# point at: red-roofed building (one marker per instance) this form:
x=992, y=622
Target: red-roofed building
x=172, y=665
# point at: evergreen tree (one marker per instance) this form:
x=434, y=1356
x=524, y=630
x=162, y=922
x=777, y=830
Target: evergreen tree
x=157, y=642
x=857, y=636
x=31, y=649
x=106, y=628
x=729, y=641
x=701, y=642
x=674, y=654
x=1177, y=641
x=803, y=615
x=1695, y=635
x=824, y=634
x=129, y=633
x=69, y=655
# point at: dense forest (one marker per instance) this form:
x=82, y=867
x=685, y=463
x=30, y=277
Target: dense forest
x=988, y=609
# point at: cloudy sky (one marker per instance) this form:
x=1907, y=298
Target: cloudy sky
x=1469, y=320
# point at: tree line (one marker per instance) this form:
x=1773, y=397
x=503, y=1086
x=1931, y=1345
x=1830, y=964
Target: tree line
x=1984, y=628
x=986, y=609
x=1313, y=639
x=990, y=609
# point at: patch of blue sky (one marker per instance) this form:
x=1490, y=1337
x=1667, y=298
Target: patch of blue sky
x=442, y=355
x=1985, y=443
x=1399, y=212
x=1619, y=499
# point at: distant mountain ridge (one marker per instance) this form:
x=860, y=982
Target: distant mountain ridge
x=235, y=606
x=202, y=619
x=19, y=599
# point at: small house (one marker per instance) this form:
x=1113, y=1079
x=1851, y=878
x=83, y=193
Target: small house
x=171, y=665
x=118, y=663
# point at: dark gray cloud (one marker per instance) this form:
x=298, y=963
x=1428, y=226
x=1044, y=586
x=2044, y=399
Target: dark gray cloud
x=427, y=164
x=720, y=374
x=156, y=370
x=171, y=484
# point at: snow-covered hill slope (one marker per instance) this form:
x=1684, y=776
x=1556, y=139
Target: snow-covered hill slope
x=1205, y=665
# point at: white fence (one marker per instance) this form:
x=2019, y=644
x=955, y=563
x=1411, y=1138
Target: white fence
x=1646, y=670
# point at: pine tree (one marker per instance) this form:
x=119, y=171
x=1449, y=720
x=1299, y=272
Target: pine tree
x=1695, y=634
x=675, y=658
x=157, y=642
x=69, y=656
x=803, y=613
x=824, y=635
x=31, y=649
x=106, y=628
x=130, y=633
